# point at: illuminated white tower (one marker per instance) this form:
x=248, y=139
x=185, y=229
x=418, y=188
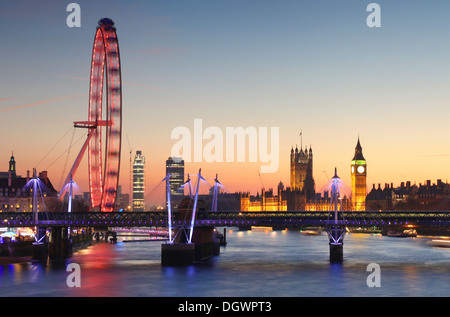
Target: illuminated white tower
x=138, y=182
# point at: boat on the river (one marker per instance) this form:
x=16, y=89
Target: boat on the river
x=312, y=232
x=403, y=233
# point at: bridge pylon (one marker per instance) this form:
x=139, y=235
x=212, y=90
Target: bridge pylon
x=335, y=224
x=216, y=192
x=187, y=244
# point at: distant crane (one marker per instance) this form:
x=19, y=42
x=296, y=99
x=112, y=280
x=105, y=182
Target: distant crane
x=260, y=179
x=131, y=172
x=326, y=175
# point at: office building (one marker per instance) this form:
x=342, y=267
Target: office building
x=175, y=167
x=138, y=182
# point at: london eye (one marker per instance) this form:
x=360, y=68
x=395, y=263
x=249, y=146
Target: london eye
x=104, y=150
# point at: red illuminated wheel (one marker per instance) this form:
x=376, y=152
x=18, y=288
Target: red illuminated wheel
x=104, y=170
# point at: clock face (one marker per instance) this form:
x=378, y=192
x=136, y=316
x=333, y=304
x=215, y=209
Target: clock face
x=360, y=169
x=353, y=169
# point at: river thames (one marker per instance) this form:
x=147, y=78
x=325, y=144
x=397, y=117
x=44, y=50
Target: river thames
x=254, y=263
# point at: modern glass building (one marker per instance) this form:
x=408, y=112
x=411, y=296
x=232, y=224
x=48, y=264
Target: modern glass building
x=138, y=182
x=175, y=167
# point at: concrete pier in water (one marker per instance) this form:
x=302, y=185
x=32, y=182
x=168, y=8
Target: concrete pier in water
x=59, y=245
x=336, y=253
x=204, y=245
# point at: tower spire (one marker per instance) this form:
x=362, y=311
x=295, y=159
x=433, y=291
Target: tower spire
x=358, y=151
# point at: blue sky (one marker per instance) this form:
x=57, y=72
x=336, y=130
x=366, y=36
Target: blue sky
x=313, y=66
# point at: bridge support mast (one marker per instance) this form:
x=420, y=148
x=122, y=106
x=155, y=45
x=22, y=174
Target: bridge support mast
x=216, y=192
x=335, y=225
x=179, y=250
x=187, y=244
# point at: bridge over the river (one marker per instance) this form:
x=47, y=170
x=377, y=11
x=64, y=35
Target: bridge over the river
x=286, y=219
x=181, y=250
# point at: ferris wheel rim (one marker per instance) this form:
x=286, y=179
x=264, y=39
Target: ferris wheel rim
x=105, y=67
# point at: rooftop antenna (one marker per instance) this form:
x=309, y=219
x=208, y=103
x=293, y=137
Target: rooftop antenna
x=301, y=139
x=260, y=179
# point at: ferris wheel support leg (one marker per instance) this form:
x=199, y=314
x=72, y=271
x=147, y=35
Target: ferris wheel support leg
x=75, y=166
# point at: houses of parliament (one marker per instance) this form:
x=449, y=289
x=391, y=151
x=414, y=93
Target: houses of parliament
x=301, y=194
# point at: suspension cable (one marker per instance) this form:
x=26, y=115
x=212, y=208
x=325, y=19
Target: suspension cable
x=53, y=146
x=78, y=140
x=67, y=158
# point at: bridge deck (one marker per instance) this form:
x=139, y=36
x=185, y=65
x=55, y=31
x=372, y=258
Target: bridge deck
x=236, y=218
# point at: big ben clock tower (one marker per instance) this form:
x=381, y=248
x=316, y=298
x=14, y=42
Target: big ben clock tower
x=359, y=175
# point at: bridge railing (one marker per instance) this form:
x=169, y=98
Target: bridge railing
x=285, y=218
x=84, y=219
x=351, y=218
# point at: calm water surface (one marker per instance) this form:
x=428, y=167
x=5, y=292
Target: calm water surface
x=254, y=263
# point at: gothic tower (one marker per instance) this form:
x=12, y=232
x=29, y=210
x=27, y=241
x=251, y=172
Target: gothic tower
x=12, y=166
x=310, y=186
x=292, y=169
x=359, y=175
x=301, y=171
x=301, y=168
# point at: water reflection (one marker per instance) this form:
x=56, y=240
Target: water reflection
x=254, y=263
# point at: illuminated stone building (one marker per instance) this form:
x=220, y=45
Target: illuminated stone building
x=267, y=201
x=426, y=196
x=320, y=203
x=301, y=177
x=359, y=176
x=13, y=193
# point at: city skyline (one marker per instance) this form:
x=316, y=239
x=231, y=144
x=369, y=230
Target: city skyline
x=299, y=66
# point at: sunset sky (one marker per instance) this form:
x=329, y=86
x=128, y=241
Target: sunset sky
x=310, y=66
